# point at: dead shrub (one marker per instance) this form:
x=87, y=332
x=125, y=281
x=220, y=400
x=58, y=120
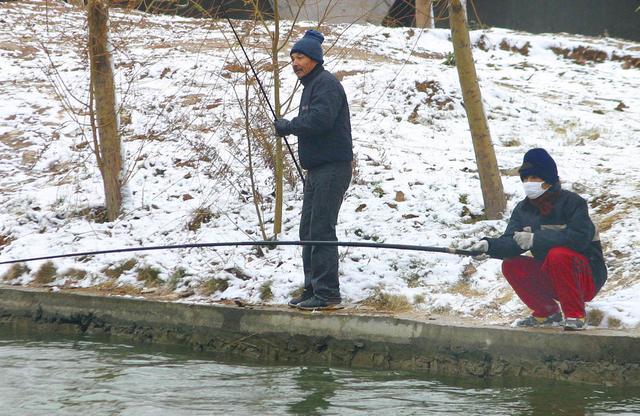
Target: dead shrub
x=74, y=274
x=266, y=294
x=149, y=275
x=211, y=286
x=46, y=273
x=198, y=217
x=384, y=301
x=16, y=270
x=595, y=317
x=114, y=272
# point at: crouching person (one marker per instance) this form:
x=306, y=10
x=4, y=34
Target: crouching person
x=567, y=267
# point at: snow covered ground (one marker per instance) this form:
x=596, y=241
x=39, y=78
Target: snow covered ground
x=182, y=90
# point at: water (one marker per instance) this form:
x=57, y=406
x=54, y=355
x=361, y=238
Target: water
x=62, y=376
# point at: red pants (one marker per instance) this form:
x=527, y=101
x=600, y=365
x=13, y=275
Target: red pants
x=565, y=276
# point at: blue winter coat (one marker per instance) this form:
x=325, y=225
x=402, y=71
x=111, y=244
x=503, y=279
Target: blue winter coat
x=567, y=225
x=323, y=123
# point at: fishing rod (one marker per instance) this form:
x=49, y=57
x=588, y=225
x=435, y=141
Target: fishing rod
x=266, y=97
x=445, y=250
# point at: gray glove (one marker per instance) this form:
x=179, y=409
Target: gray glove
x=282, y=126
x=524, y=239
x=481, y=246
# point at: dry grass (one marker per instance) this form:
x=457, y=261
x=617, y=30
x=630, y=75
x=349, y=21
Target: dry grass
x=16, y=270
x=46, y=274
x=74, y=274
x=386, y=302
x=198, y=217
x=113, y=287
x=614, y=322
x=114, y=272
x=463, y=287
x=149, y=275
x=265, y=291
x=211, y=286
x=595, y=317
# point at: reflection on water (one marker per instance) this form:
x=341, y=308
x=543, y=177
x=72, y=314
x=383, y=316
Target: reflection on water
x=45, y=376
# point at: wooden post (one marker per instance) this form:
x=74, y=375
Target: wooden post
x=103, y=92
x=490, y=182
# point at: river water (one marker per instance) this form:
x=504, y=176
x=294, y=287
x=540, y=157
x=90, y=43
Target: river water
x=82, y=376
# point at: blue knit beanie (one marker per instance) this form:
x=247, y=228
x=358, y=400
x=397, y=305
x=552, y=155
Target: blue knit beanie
x=537, y=162
x=310, y=45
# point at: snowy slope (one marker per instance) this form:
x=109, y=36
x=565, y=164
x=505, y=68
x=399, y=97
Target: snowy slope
x=182, y=89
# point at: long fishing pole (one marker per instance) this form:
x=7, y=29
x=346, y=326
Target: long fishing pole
x=256, y=243
x=266, y=97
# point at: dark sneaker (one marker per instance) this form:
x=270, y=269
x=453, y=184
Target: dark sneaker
x=316, y=303
x=304, y=296
x=575, y=324
x=535, y=322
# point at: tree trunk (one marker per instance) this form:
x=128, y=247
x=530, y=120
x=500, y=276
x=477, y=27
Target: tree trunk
x=424, y=13
x=492, y=191
x=103, y=91
x=279, y=162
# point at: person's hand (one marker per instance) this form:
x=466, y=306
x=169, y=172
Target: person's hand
x=524, y=239
x=481, y=246
x=282, y=127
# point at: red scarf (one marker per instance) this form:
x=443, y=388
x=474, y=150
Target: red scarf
x=545, y=202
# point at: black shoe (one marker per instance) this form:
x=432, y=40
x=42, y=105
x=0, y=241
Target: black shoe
x=304, y=296
x=317, y=304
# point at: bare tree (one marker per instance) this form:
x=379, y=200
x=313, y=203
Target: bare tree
x=492, y=191
x=104, y=121
x=424, y=14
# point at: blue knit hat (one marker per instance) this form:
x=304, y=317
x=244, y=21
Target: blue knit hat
x=537, y=162
x=310, y=45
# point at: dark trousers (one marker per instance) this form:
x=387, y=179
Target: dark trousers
x=323, y=193
x=565, y=276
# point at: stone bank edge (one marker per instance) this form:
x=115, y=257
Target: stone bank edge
x=338, y=339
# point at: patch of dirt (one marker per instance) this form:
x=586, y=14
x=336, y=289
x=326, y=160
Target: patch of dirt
x=581, y=55
x=524, y=50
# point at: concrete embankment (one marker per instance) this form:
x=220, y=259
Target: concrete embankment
x=340, y=338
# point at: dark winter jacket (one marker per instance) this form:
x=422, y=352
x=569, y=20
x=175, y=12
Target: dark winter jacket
x=322, y=125
x=567, y=225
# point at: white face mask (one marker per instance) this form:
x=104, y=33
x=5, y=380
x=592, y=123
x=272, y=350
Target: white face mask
x=533, y=189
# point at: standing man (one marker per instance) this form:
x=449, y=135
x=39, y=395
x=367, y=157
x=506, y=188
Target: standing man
x=323, y=128
x=567, y=266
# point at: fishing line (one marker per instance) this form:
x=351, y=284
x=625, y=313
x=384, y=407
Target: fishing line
x=266, y=97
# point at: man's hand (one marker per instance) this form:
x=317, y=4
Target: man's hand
x=282, y=127
x=524, y=239
x=482, y=246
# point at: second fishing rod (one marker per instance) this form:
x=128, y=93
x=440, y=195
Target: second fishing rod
x=266, y=97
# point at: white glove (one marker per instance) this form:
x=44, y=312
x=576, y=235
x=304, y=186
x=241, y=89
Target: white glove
x=524, y=239
x=482, y=246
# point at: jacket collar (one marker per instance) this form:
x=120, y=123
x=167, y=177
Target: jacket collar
x=306, y=80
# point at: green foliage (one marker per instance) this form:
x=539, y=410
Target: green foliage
x=450, y=60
